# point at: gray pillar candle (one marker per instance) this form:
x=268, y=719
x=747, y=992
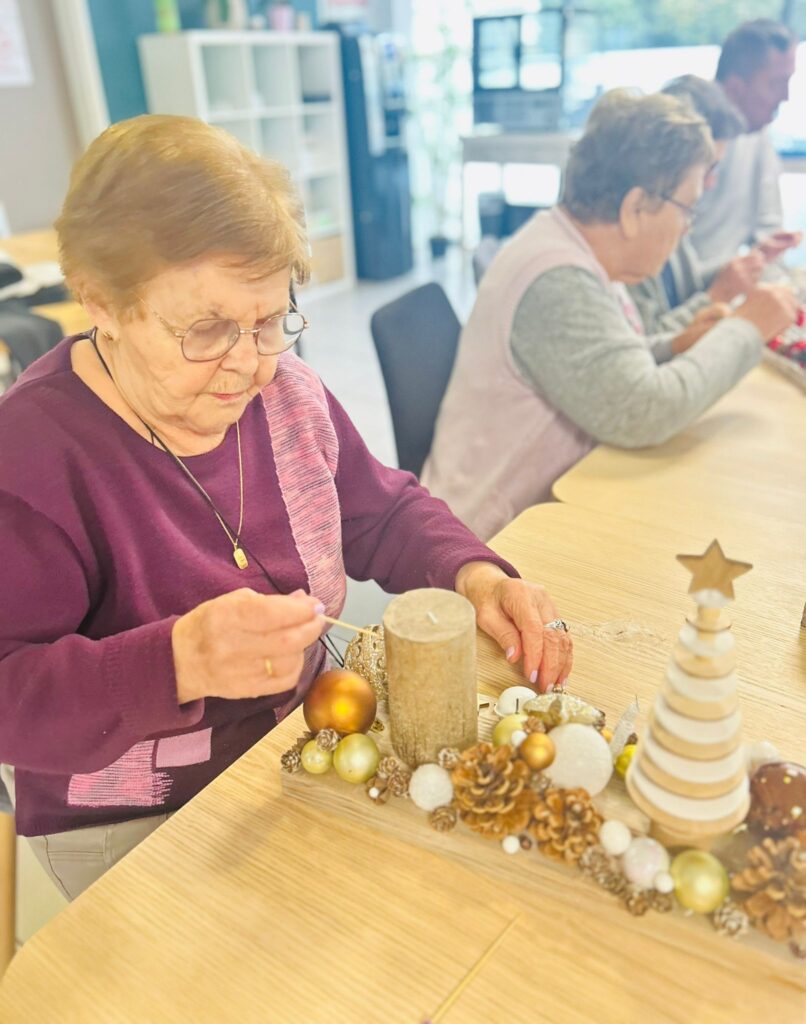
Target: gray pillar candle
x=431, y=662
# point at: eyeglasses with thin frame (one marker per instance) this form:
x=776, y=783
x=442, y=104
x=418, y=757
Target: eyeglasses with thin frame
x=689, y=212
x=210, y=339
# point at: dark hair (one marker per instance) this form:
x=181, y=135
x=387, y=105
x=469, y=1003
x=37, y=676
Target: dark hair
x=745, y=50
x=632, y=141
x=709, y=100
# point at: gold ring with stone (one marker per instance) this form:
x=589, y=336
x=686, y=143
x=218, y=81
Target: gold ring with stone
x=269, y=667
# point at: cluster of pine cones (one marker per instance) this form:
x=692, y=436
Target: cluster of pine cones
x=494, y=797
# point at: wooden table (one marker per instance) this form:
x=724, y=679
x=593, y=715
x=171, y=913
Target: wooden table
x=247, y=906
x=741, y=467
x=41, y=247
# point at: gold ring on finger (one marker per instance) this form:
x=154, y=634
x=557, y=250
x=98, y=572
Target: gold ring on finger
x=269, y=667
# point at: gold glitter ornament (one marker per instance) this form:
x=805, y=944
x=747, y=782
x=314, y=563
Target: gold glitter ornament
x=314, y=759
x=356, y=758
x=623, y=760
x=366, y=655
x=537, y=750
x=701, y=883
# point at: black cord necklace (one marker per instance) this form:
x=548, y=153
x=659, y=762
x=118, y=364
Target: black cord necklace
x=156, y=440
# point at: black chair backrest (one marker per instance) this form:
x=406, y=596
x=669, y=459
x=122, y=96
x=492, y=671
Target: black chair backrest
x=416, y=338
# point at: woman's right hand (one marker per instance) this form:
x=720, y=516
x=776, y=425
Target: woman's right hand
x=771, y=308
x=244, y=644
x=738, y=277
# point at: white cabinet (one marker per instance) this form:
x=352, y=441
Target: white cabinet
x=281, y=95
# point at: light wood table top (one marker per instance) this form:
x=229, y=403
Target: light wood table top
x=742, y=464
x=247, y=906
x=32, y=247
x=41, y=247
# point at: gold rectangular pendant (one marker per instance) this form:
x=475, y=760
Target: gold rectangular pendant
x=240, y=558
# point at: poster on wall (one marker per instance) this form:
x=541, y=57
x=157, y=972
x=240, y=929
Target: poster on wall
x=343, y=10
x=15, y=67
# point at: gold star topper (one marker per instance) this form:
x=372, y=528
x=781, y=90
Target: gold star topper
x=713, y=571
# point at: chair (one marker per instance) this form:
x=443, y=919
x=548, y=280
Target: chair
x=8, y=880
x=415, y=338
x=484, y=255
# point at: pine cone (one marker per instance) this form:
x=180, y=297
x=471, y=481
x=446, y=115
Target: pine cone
x=388, y=766
x=443, y=819
x=492, y=795
x=661, y=902
x=327, y=739
x=533, y=724
x=448, y=758
x=774, y=887
x=300, y=741
x=565, y=823
x=636, y=900
x=291, y=761
x=729, y=919
x=377, y=789
x=399, y=781
x=595, y=860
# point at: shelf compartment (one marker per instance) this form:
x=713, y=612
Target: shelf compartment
x=327, y=259
x=276, y=77
x=317, y=74
x=318, y=143
x=278, y=140
x=324, y=203
x=226, y=78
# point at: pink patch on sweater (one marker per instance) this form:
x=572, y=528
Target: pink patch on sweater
x=179, y=751
x=306, y=454
x=128, y=782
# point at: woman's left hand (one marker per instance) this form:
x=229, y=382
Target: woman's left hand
x=513, y=612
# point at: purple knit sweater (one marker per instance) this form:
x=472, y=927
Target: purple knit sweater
x=106, y=544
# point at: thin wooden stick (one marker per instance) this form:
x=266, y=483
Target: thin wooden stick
x=471, y=974
x=349, y=625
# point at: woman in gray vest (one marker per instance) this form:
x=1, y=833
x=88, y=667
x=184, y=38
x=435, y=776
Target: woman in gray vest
x=553, y=358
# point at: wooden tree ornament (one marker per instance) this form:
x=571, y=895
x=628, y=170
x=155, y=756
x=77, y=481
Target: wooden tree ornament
x=431, y=663
x=688, y=774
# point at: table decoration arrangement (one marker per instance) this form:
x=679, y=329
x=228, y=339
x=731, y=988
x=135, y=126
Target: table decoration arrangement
x=688, y=819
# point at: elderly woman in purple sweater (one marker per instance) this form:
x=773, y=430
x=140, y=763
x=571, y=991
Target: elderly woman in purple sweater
x=182, y=500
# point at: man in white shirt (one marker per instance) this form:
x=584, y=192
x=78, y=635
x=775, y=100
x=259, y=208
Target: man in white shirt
x=744, y=206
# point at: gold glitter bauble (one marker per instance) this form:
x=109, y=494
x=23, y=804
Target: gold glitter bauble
x=340, y=700
x=701, y=883
x=502, y=733
x=356, y=758
x=366, y=655
x=537, y=750
x=314, y=759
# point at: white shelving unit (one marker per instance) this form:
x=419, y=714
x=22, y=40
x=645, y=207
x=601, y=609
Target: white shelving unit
x=280, y=94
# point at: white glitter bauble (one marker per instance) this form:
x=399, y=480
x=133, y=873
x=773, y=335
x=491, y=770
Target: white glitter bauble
x=517, y=738
x=430, y=787
x=511, y=844
x=512, y=700
x=581, y=758
x=615, y=837
x=663, y=882
x=643, y=860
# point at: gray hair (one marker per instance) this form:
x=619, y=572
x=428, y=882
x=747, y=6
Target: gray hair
x=710, y=101
x=633, y=141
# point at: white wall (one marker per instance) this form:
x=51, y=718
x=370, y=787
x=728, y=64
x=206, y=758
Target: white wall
x=39, y=141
